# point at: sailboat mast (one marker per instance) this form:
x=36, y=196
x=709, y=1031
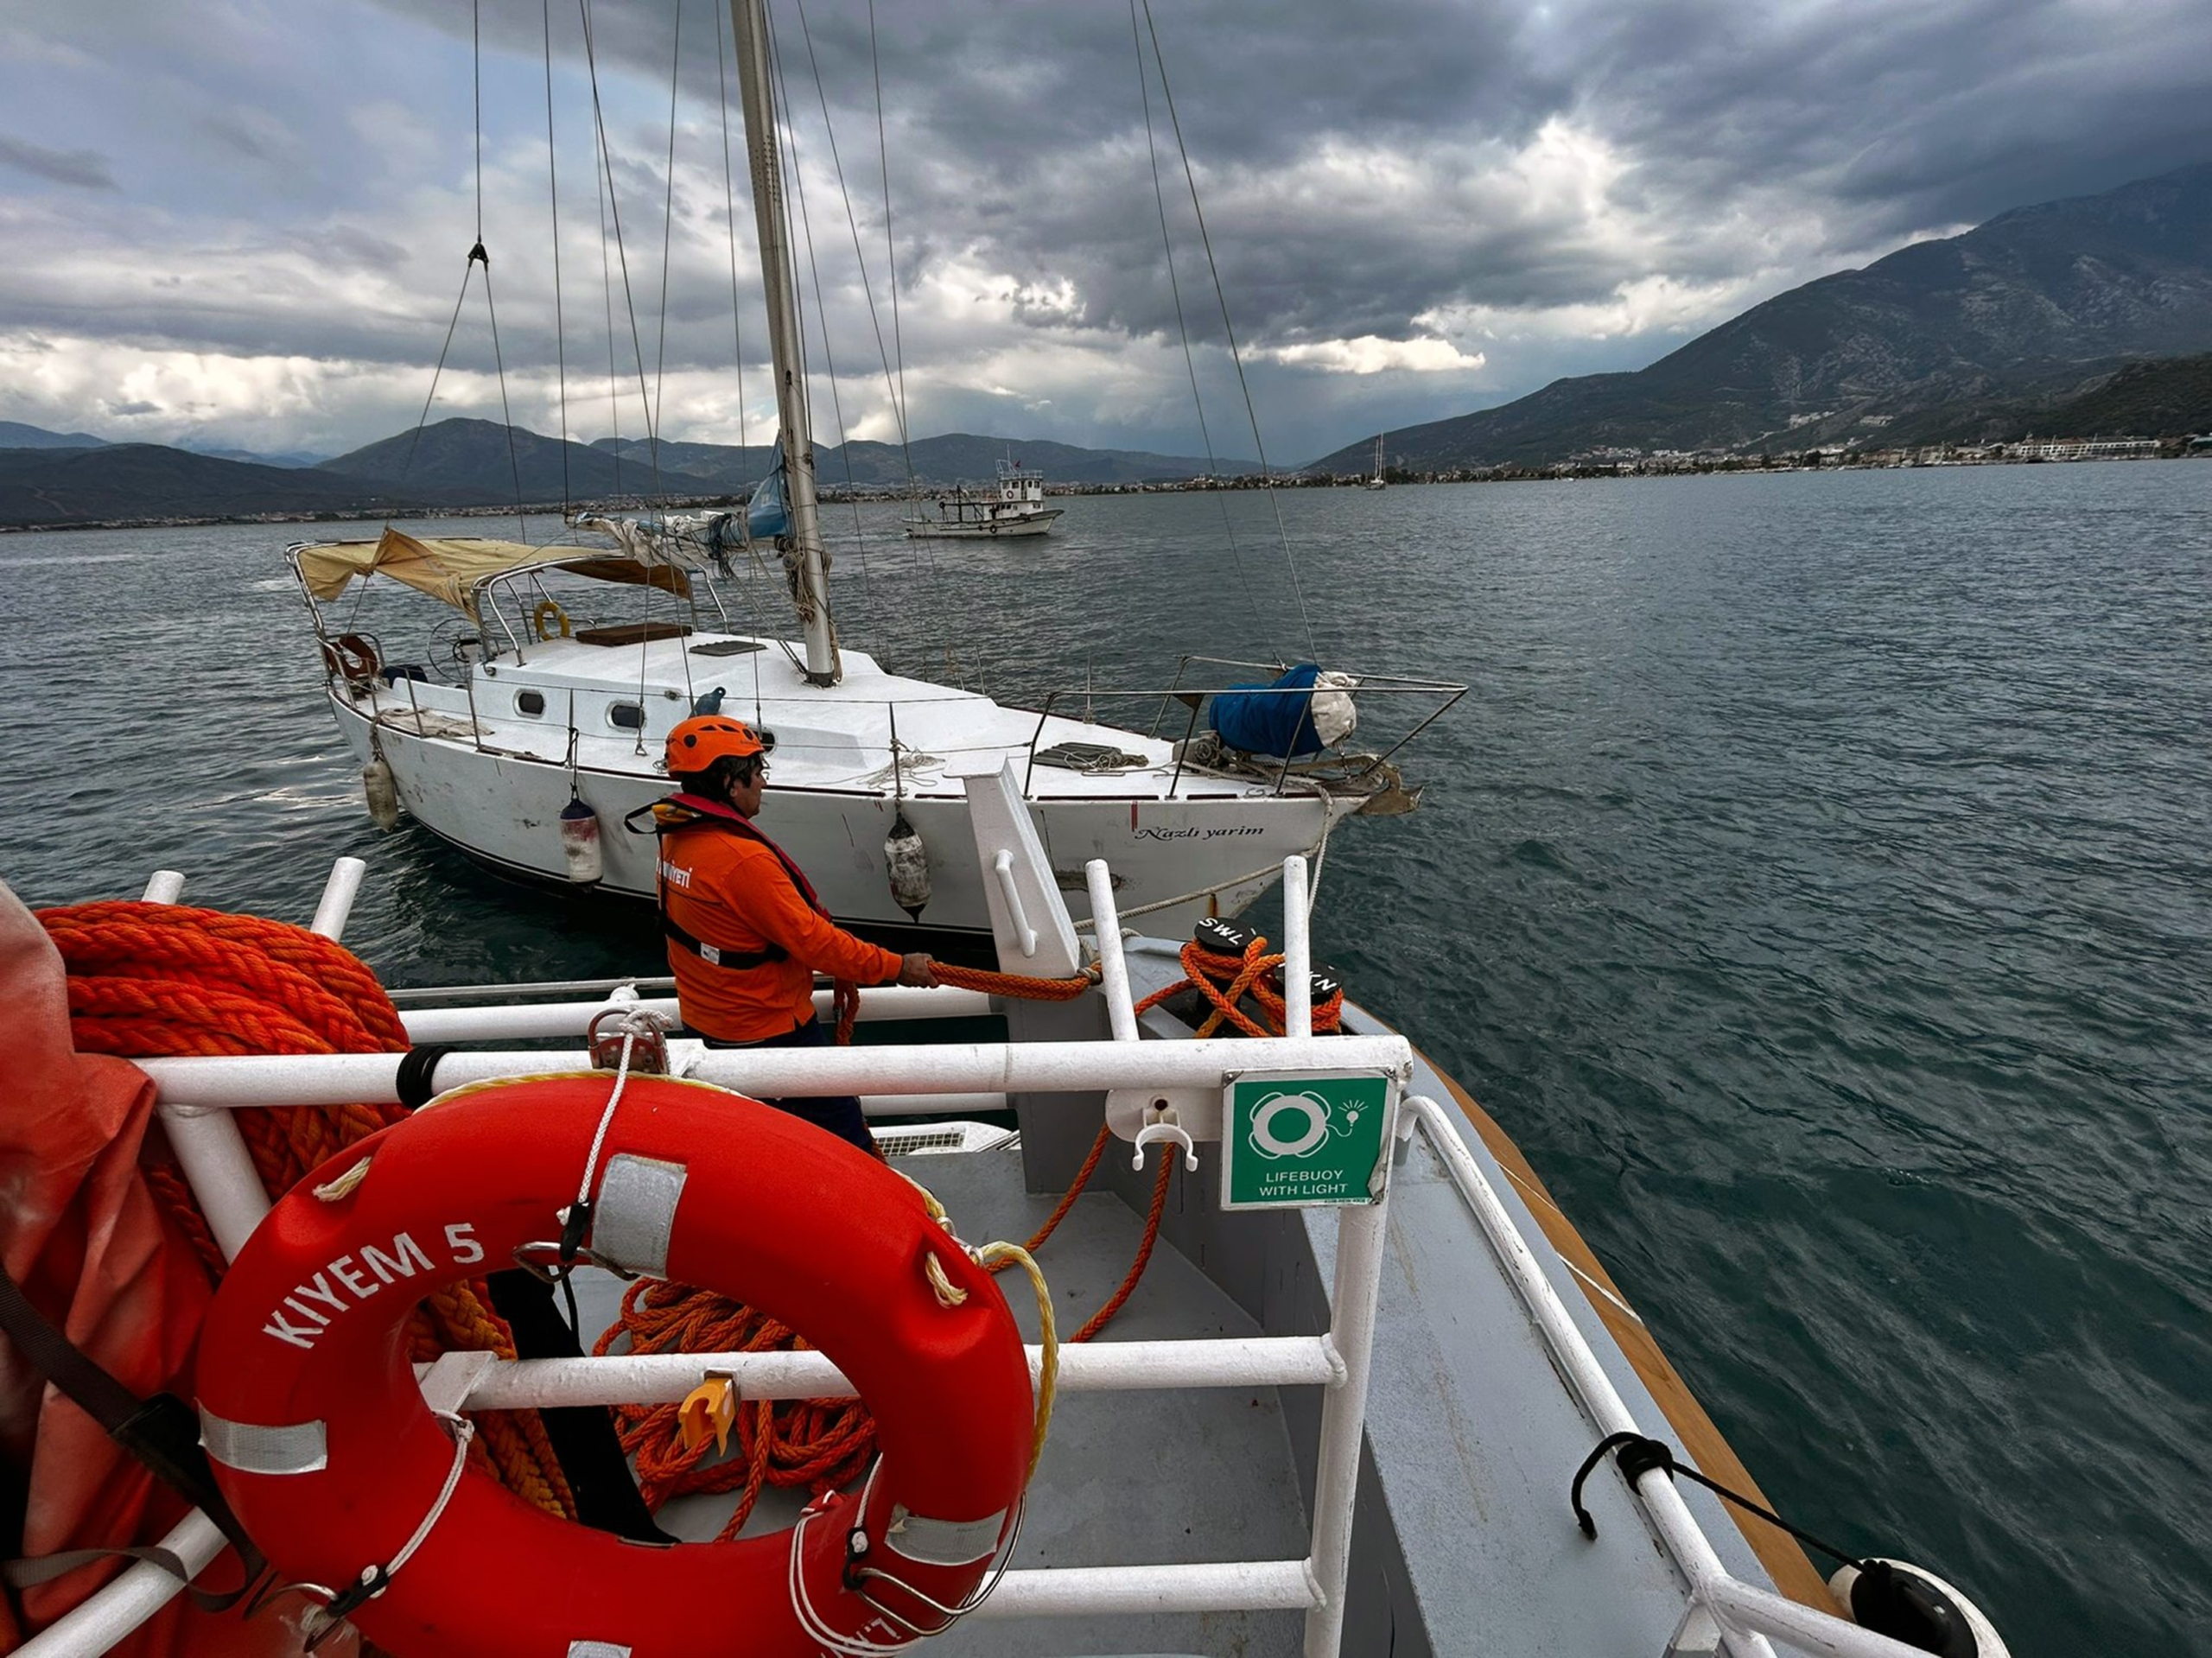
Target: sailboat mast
x=772, y=219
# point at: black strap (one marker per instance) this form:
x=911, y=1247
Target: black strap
x=1637, y=1456
x=737, y=960
x=583, y=1436
x=161, y=1432
x=418, y=1069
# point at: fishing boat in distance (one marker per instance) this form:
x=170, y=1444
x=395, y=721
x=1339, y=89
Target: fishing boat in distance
x=529, y=720
x=1015, y=507
x=1363, y=1387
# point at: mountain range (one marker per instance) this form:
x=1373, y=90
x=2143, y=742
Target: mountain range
x=472, y=455
x=1939, y=339
x=54, y=478
x=2034, y=322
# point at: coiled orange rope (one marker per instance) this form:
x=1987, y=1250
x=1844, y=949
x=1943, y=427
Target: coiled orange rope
x=1225, y=980
x=821, y=1445
x=161, y=980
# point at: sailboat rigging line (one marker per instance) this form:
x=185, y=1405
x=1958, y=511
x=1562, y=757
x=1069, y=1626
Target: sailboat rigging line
x=667, y=236
x=553, y=196
x=890, y=258
x=1183, y=328
x=606, y=284
x=935, y=608
x=729, y=215
x=491, y=305
x=1267, y=474
x=606, y=161
x=867, y=290
x=852, y=221
x=422, y=420
x=476, y=80
x=822, y=312
x=507, y=409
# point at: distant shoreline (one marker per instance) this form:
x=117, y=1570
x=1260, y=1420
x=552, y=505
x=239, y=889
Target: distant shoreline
x=1647, y=466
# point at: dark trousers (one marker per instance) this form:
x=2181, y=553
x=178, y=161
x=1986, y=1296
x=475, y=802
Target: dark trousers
x=839, y=1114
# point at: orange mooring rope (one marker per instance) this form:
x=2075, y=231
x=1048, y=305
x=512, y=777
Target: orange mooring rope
x=1225, y=980
x=1222, y=980
x=161, y=980
x=1013, y=984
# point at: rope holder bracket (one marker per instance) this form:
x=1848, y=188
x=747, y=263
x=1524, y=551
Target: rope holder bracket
x=1164, y=1126
x=644, y=1032
x=1181, y=1116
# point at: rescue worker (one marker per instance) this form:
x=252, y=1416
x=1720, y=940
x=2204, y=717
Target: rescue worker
x=746, y=932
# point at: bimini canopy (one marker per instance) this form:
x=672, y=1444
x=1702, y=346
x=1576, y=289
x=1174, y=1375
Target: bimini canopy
x=450, y=567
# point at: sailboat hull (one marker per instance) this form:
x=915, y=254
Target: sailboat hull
x=504, y=808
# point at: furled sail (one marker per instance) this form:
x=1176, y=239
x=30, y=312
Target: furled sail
x=767, y=512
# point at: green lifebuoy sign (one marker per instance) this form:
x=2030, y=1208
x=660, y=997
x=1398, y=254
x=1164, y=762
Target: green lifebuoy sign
x=1300, y=1141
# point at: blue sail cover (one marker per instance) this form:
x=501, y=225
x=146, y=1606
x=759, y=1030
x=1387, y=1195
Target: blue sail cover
x=1267, y=719
x=767, y=515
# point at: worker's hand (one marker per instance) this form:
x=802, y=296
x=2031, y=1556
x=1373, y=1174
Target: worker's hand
x=916, y=968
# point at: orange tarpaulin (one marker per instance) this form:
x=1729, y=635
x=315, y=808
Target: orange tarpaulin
x=94, y=1253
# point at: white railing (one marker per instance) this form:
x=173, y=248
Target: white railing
x=198, y=1095
x=1744, y=1613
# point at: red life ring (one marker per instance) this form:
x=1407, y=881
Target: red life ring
x=321, y=1439
x=351, y=657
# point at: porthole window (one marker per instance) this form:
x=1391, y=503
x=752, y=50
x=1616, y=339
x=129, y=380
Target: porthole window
x=530, y=703
x=627, y=717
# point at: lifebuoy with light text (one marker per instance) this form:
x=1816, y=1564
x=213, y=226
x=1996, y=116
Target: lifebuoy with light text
x=320, y=1437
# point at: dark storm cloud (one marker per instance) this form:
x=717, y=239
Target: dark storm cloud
x=1017, y=133
x=86, y=169
x=1417, y=206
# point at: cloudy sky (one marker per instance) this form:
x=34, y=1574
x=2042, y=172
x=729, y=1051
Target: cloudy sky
x=245, y=222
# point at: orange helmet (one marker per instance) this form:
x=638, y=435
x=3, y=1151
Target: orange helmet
x=698, y=742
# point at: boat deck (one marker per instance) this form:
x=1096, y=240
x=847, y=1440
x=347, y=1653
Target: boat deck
x=1464, y=1540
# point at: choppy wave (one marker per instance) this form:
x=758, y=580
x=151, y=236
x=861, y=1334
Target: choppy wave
x=1815, y=884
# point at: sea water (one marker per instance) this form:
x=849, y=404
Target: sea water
x=1816, y=882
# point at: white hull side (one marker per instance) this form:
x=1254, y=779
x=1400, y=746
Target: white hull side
x=1036, y=525
x=504, y=809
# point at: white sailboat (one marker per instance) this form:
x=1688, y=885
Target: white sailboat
x=1378, y=481
x=1015, y=507
x=542, y=724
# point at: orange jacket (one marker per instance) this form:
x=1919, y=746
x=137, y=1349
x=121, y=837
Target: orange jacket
x=730, y=890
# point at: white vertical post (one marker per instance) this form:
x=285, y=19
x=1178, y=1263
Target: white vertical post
x=1344, y=1414
x=337, y=895
x=1297, y=951
x=207, y=1142
x=1351, y=1317
x=1113, y=966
